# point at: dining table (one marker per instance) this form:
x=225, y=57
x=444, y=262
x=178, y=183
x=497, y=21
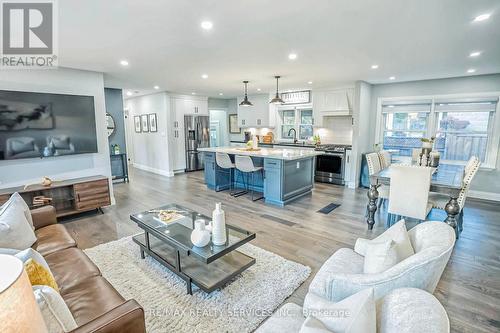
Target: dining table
x=447, y=179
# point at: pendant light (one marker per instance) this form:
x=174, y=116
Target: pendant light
x=245, y=101
x=277, y=99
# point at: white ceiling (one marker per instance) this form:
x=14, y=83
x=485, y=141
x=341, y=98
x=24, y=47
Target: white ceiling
x=336, y=41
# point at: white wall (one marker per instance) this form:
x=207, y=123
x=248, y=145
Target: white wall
x=487, y=182
x=150, y=150
x=61, y=81
x=337, y=130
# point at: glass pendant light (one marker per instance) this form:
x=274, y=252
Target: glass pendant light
x=245, y=101
x=277, y=99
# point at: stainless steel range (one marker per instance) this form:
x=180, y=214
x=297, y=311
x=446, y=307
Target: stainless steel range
x=330, y=166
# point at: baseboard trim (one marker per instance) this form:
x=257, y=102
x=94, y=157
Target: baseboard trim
x=491, y=196
x=153, y=170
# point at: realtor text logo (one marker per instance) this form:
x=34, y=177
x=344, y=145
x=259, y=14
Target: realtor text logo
x=28, y=34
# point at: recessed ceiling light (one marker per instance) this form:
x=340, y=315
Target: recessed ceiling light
x=258, y=89
x=204, y=76
x=471, y=70
x=475, y=54
x=292, y=56
x=392, y=78
x=374, y=66
x=124, y=62
x=207, y=25
x=156, y=87
x=310, y=82
x=129, y=93
x=193, y=93
x=482, y=17
x=220, y=94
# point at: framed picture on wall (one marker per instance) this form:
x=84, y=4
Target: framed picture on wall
x=145, y=123
x=233, y=124
x=152, y=123
x=137, y=124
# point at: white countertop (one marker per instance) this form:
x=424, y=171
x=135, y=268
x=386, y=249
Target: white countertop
x=277, y=153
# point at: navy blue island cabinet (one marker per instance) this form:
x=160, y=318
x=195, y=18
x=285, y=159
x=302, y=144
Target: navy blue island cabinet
x=284, y=177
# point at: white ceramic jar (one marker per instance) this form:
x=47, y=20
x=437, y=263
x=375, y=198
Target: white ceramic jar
x=200, y=236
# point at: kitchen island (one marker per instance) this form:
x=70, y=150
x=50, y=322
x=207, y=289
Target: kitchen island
x=288, y=173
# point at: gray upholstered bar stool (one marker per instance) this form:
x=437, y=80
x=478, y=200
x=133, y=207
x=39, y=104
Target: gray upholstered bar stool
x=224, y=162
x=246, y=166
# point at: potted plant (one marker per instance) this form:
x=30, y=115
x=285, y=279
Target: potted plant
x=427, y=143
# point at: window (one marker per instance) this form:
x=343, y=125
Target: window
x=288, y=117
x=462, y=127
x=404, y=125
x=301, y=120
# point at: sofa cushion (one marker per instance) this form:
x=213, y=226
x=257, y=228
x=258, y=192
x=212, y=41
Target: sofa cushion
x=354, y=314
x=380, y=256
x=15, y=230
x=288, y=318
x=91, y=298
x=313, y=325
x=53, y=238
x=55, y=312
x=70, y=267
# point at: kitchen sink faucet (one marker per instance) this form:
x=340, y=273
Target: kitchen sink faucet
x=294, y=134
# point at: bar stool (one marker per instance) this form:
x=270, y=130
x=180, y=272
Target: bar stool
x=224, y=162
x=245, y=165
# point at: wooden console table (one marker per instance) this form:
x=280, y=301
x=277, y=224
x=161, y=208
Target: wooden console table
x=71, y=196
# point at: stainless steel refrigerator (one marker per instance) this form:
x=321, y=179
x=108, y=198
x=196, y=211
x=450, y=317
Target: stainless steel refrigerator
x=197, y=134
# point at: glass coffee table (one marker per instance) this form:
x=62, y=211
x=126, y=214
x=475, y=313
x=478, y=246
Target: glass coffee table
x=209, y=267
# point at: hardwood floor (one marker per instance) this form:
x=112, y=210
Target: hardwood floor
x=469, y=288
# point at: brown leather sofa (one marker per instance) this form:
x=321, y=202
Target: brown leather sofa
x=94, y=303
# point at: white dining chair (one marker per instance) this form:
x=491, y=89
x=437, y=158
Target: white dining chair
x=245, y=165
x=224, y=162
x=409, y=192
x=374, y=166
x=439, y=201
x=385, y=158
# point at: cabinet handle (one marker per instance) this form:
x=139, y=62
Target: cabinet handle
x=78, y=197
x=258, y=121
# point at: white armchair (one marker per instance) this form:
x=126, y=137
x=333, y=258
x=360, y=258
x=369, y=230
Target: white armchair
x=342, y=274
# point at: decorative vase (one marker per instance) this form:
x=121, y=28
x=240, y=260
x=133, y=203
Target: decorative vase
x=200, y=236
x=218, y=225
x=427, y=145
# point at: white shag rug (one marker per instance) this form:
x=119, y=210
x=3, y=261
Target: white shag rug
x=240, y=306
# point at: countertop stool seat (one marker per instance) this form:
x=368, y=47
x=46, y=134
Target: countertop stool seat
x=245, y=165
x=224, y=162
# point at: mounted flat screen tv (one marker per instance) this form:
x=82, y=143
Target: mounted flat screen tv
x=45, y=125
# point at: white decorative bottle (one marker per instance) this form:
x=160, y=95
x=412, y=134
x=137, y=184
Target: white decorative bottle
x=200, y=236
x=218, y=225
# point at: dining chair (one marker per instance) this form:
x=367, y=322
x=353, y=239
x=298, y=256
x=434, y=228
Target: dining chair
x=439, y=201
x=385, y=159
x=409, y=192
x=245, y=165
x=374, y=166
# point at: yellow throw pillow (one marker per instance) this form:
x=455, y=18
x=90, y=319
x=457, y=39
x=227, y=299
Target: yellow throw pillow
x=39, y=275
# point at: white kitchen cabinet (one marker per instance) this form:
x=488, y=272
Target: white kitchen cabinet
x=258, y=115
x=336, y=102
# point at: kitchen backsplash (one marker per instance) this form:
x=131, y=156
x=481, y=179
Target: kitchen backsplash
x=336, y=130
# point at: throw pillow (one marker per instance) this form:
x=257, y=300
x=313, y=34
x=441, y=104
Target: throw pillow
x=18, y=200
x=15, y=230
x=380, y=256
x=55, y=312
x=28, y=254
x=354, y=314
x=313, y=325
x=398, y=234
x=39, y=275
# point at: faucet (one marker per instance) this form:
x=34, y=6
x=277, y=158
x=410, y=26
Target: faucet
x=294, y=134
